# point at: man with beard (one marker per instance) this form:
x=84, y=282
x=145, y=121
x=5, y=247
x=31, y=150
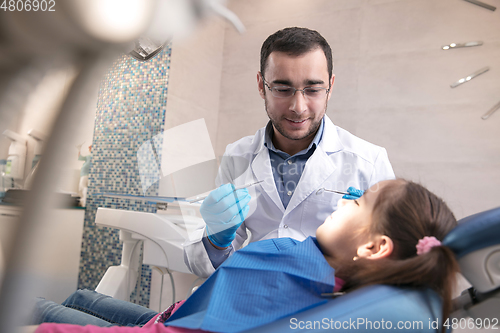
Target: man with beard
x=296, y=158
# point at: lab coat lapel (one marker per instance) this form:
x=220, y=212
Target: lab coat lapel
x=261, y=168
x=319, y=167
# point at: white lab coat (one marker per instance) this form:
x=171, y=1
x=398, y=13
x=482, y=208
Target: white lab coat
x=340, y=160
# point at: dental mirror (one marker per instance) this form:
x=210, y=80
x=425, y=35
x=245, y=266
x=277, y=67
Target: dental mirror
x=321, y=190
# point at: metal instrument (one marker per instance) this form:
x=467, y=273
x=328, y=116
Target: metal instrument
x=321, y=190
x=459, y=45
x=491, y=111
x=482, y=4
x=470, y=77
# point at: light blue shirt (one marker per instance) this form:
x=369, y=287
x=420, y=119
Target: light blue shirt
x=287, y=169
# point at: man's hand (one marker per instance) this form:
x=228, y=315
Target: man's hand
x=354, y=193
x=224, y=210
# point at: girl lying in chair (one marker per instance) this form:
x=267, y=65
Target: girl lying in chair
x=391, y=235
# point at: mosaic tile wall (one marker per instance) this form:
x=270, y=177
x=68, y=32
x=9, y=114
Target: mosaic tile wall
x=130, y=112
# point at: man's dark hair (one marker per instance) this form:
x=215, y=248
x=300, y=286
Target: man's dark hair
x=294, y=42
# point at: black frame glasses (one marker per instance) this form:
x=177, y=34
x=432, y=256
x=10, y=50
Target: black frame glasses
x=287, y=91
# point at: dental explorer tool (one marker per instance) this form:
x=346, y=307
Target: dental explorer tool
x=470, y=77
x=235, y=189
x=491, y=111
x=321, y=190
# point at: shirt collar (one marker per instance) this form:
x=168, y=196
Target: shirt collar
x=268, y=142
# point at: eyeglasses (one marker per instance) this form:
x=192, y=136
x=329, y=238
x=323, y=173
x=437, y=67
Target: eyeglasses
x=287, y=91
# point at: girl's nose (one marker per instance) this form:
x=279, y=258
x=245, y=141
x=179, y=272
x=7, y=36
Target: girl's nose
x=341, y=203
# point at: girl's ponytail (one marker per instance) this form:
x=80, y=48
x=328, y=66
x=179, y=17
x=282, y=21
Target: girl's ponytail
x=407, y=212
x=436, y=269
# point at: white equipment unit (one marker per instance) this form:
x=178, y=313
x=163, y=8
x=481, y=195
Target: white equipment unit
x=163, y=235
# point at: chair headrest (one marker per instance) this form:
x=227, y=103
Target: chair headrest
x=474, y=232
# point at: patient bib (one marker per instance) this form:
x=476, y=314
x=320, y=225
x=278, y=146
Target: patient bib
x=258, y=284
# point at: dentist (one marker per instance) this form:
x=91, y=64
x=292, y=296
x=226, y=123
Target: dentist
x=299, y=152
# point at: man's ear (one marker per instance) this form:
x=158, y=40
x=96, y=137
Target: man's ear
x=260, y=85
x=380, y=247
x=332, y=80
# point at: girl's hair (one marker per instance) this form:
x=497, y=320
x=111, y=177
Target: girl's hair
x=406, y=212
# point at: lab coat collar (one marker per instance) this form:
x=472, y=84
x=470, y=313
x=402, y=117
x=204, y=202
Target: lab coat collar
x=261, y=167
x=330, y=142
x=269, y=132
x=319, y=167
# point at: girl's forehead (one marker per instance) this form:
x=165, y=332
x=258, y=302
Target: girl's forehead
x=372, y=193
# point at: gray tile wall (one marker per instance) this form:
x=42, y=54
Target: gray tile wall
x=130, y=111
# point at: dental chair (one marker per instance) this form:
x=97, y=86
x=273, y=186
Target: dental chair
x=476, y=244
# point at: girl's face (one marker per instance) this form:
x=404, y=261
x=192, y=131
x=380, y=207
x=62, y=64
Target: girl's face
x=346, y=229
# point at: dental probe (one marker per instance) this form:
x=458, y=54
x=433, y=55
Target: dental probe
x=321, y=190
x=235, y=189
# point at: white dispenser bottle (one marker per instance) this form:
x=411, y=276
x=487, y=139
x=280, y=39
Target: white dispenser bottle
x=17, y=157
x=40, y=139
x=3, y=163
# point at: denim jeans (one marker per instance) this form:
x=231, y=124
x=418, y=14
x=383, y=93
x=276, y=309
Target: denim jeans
x=87, y=307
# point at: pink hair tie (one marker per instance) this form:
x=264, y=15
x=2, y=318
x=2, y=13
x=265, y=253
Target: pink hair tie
x=426, y=244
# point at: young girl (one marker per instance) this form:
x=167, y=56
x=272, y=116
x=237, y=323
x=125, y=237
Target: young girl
x=390, y=235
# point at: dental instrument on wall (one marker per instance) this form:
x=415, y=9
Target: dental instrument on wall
x=235, y=189
x=482, y=4
x=491, y=111
x=460, y=45
x=470, y=77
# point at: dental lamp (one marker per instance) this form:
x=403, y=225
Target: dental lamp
x=86, y=35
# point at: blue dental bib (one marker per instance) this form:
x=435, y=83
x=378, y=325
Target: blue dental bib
x=258, y=284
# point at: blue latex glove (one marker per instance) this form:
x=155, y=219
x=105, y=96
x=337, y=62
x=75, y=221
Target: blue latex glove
x=224, y=210
x=354, y=193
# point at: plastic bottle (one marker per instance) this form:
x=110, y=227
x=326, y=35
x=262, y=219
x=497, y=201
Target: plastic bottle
x=17, y=156
x=2, y=181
